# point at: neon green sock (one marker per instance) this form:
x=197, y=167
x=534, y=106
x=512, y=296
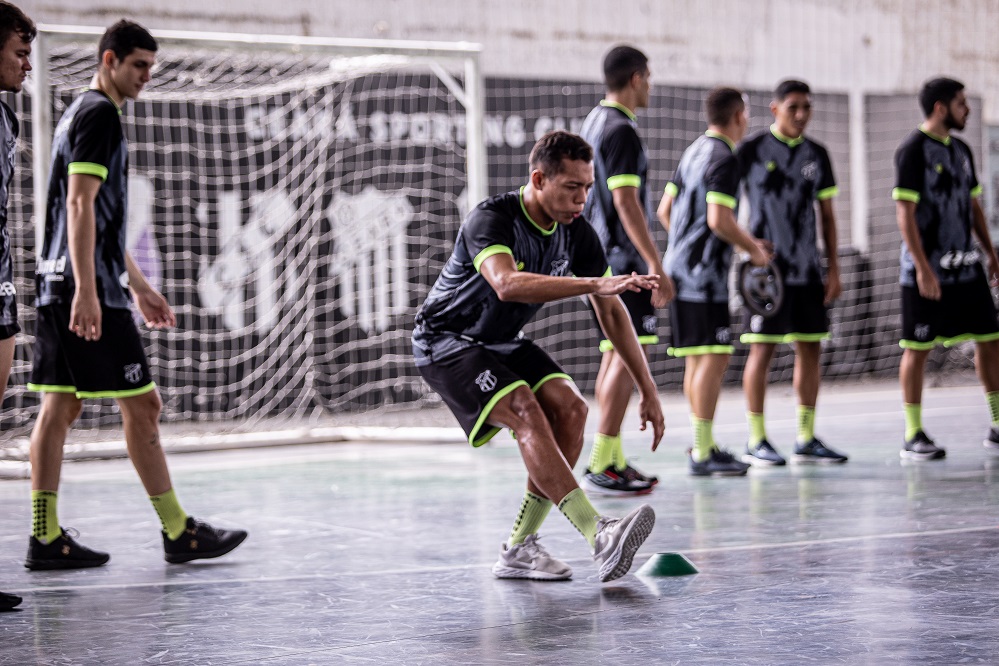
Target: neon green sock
x=704, y=441
x=533, y=511
x=44, y=520
x=757, y=431
x=913, y=419
x=993, y=400
x=620, y=462
x=172, y=517
x=806, y=423
x=577, y=508
x=602, y=455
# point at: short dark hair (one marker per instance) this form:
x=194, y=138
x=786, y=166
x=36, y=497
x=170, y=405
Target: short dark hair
x=14, y=21
x=722, y=104
x=124, y=37
x=785, y=88
x=555, y=146
x=938, y=90
x=620, y=64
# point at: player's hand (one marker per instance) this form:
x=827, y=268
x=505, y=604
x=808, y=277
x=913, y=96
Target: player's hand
x=928, y=284
x=85, y=316
x=664, y=293
x=650, y=411
x=762, y=253
x=155, y=310
x=834, y=287
x=618, y=284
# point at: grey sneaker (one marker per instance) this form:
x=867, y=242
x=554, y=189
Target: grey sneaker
x=763, y=454
x=530, y=560
x=921, y=447
x=815, y=451
x=618, y=539
x=719, y=463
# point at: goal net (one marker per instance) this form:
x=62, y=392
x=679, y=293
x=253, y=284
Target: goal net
x=292, y=198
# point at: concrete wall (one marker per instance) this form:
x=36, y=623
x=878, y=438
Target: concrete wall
x=837, y=45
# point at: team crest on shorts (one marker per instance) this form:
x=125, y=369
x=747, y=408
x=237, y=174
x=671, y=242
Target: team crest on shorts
x=922, y=331
x=486, y=381
x=133, y=373
x=722, y=335
x=756, y=323
x=649, y=323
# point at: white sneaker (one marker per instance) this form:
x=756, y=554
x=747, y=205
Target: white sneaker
x=530, y=560
x=618, y=539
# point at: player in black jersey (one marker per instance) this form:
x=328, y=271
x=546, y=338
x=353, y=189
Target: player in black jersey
x=698, y=211
x=787, y=176
x=945, y=292
x=17, y=31
x=515, y=252
x=619, y=208
x=86, y=343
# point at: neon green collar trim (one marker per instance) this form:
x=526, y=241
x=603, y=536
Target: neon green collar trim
x=544, y=232
x=718, y=135
x=945, y=140
x=791, y=143
x=620, y=107
x=106, y=95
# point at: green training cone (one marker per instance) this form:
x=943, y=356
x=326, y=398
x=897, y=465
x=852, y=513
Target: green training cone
x=667, y=564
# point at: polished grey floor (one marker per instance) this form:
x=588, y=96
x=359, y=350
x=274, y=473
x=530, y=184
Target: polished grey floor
x=380, y=553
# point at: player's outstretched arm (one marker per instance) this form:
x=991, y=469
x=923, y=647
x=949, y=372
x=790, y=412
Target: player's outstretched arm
x=926, y=277
x=617, y=326
x=154, y=308
x=526, y=287
x=81, y=222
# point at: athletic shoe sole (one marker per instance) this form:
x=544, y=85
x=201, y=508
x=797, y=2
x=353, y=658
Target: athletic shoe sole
x=817, y=460
x=989, y=444
x=733, y=472
x=750, y=459
x=506, y=572
x=61, y=565
x=619, y=563
x=921, y=457
x=181, y=558
x=591, y=487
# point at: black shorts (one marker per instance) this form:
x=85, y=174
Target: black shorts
x=113, y=367
x=965, y=311
x=803, y=317
x=473, y=380
x=700, y=328
x=8, y=303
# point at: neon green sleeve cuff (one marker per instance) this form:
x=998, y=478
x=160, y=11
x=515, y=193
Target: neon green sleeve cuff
x=721, y=199
x=89, y=168
x=902, y=194
x=488, y=252
x=623, y=180
x=827, y=193
x=976, y=191
x=672, y=190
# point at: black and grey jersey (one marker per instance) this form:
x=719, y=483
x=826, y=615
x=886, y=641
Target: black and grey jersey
x=938, y=175
x=697, y=259
x=462, y=309
x=619, y=160
x=9, y=130
x=784, y=178
x=88, y=140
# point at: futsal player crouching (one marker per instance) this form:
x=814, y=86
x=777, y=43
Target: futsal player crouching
x=514, y=252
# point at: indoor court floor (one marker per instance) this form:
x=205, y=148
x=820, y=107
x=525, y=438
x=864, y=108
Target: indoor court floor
x=381, y=553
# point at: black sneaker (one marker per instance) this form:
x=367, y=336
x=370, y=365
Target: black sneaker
x=8, y=601
x=921, y=447
x=614, y=482
x=633, y=474
x=817, y=452
x=63, y=553
x=200, y=541
x=992, y=441
x=763, y=455
x=719, y=463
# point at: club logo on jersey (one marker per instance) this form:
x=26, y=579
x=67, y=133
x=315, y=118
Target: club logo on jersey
x=7, y=289
x=809, y=170
x=486, y=381
x=722, y=335
x=559, y=267
x=756, y=323
x=649, y=323
x=922, y=331
x=133, y=373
